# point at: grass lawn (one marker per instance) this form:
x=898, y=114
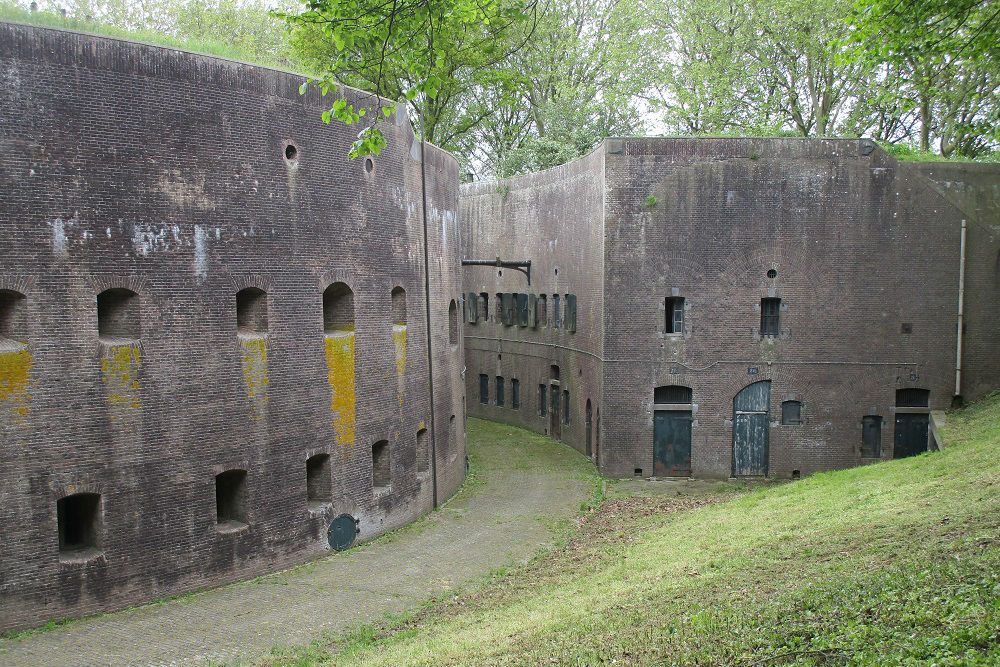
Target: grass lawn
x=890, y=564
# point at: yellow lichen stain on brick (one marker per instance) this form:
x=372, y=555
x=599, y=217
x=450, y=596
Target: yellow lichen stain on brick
x=399, y=343
x=255, y=374
x=15, y=381
x=120, y=373
x=340, y=364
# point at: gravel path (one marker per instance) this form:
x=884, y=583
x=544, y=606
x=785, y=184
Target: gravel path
x=528, y=484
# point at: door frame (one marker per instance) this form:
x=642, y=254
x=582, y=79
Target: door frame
x=672, y=407
x=767, y=421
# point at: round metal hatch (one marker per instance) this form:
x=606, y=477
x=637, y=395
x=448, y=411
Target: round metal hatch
x=342, y=532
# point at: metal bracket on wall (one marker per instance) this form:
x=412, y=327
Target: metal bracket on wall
x=524, y=267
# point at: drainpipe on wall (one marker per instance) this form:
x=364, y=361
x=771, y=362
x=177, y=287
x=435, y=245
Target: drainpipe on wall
x=427, y=313
x=961, y=315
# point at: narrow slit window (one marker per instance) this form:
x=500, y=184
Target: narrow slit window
x=515, y=394
x=871, y=436
x=318, y=488
x=423, y=451
x=674, y=306
x=79, y=517
x=542, y=315
x=484, y=388
x=565, y=406
x=381, y=466
x=543, y=400
x=791, y=413
x=453, y=323
x=556, y=312
x=770, y=317
x=251, y=312
x=484, y=306
x=500, y=392
x=231, y=499
x=571, y=313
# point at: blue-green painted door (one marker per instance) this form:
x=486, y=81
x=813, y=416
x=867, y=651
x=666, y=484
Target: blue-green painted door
x=672, y=443
x=751, y=429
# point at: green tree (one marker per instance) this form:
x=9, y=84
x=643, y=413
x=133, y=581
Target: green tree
x=948, y=56
x=428, y=51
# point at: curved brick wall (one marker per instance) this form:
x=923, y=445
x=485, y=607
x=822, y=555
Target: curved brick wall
x=164, y=174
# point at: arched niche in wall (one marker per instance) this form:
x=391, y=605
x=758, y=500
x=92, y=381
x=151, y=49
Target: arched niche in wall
x=338, y=326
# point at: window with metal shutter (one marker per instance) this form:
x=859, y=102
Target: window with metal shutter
x=473, y=307
x=522, y=310
x=571, y=312
x=508, y=308
x=532, y=311
x=791, y=413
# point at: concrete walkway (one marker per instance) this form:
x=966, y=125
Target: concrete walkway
x=528, y=485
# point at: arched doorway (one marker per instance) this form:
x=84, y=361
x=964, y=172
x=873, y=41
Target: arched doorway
x=672, y=410
x=751, y=429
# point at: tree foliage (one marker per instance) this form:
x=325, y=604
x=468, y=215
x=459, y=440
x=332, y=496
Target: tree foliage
x=424, y=50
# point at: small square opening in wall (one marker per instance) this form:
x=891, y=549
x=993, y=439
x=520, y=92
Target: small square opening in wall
x=381, y=467
x=79, y=517
x=13, y=318
x=318, y=485
x=251, y=312
x=231, y=500
x=638, y=472
x=906, y=328
x=118, y=315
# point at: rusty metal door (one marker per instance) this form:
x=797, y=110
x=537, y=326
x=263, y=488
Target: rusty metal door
x=751, y=429
x=672, y=443
x=911, y=434
x=590, y=428
x=555, y=428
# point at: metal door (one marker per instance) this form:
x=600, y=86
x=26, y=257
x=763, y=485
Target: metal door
x=672, y=443
x=555, y=429
x=751, y=429
x=911, y=434
x=590, y=430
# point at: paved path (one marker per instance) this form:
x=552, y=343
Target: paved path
x=529, y=484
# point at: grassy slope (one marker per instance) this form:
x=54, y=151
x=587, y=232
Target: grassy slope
x=890, y=564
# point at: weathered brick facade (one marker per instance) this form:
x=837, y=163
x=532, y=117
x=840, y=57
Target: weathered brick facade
x=862, y=251
x=169, y=175
x=205, y=356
